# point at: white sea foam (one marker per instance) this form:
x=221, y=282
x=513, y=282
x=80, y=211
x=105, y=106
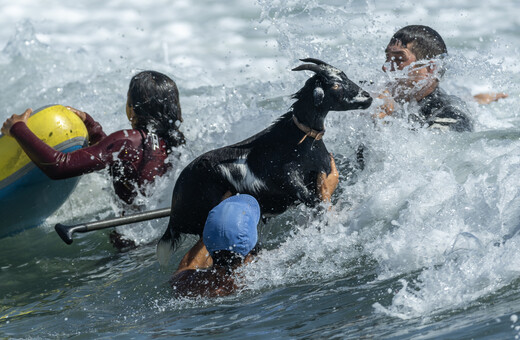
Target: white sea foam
x=428, y=208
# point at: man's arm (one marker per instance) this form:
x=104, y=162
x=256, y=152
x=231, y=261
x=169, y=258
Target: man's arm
x=487, y=98
x=196, y=258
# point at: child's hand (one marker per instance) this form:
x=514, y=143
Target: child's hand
x=8, y=124
x=82, y=115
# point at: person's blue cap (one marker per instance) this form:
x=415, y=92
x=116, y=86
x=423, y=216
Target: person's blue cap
x=232, y=224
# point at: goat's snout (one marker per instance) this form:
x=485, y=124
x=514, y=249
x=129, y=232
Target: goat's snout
x=365, y=95
x=364, y=99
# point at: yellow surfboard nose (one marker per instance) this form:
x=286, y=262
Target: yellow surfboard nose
x=55, y=125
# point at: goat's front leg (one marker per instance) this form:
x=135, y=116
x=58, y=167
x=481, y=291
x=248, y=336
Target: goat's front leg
x=327, y=184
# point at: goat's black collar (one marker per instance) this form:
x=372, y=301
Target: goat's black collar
x=308, y=131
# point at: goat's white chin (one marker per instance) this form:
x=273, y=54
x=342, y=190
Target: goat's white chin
x=358, y=100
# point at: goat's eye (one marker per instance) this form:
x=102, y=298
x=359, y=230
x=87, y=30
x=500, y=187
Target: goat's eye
x=335, y=86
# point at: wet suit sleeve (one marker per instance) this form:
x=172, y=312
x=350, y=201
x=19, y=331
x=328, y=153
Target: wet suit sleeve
x=59, y=165
x=95, y=131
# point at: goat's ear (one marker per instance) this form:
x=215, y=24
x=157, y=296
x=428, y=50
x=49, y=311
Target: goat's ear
x=318, y=95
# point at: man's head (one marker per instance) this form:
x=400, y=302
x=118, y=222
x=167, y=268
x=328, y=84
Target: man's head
x=230, y=232
x=416, y=49
x=423, y=41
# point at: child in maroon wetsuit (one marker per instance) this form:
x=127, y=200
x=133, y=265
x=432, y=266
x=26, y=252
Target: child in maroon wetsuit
x=134, y=157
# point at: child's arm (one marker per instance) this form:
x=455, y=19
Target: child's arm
x=196, y=258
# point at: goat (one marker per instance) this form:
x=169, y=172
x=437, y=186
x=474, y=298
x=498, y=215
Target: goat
x=279, y=166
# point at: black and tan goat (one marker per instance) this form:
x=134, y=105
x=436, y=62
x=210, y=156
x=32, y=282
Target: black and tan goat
x=279, y=166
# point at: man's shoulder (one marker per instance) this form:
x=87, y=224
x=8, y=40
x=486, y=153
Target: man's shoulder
x=440, y=98
x=447, y=111
x=452, y=100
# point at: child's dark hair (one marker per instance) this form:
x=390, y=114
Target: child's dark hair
x=426, y=43
x=154, y=98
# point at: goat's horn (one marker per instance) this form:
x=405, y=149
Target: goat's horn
x=313, y=60
x=310, y=67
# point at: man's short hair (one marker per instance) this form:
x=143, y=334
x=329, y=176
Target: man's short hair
x=423, y=41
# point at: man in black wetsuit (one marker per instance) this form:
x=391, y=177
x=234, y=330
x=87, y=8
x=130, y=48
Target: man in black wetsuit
x=415, y=54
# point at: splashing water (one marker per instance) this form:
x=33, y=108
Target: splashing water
x=422, y=243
